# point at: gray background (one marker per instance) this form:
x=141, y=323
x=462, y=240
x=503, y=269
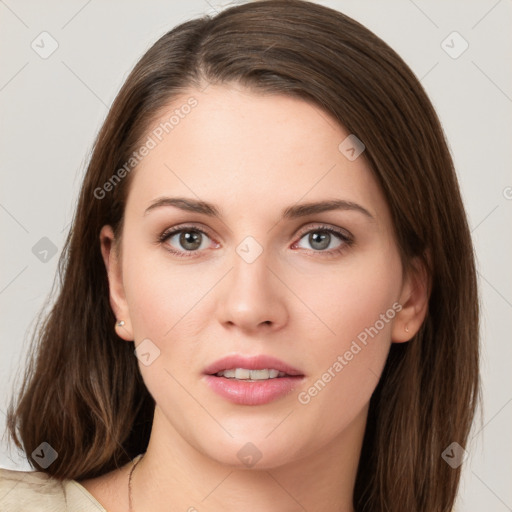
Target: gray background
x=51, y=110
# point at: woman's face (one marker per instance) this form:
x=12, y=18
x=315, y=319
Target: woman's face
x=263, y=277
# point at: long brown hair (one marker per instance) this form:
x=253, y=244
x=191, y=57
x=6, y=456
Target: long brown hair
x=82, y=390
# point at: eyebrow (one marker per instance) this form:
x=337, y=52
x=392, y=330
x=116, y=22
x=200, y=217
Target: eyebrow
x=291, y=212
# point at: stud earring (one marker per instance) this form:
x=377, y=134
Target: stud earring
x=406, y=328
x=120, y=324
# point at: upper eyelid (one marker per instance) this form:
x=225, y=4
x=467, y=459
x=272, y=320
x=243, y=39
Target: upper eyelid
x=301, y=232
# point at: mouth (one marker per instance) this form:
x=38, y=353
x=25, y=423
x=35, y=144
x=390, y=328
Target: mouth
x=253, y=375
x=254, y=368
x=252, y=381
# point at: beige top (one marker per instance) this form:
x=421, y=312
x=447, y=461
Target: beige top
x=35, y=491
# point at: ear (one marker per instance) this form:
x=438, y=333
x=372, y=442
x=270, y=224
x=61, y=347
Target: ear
x=110, y=253
x=414, y=301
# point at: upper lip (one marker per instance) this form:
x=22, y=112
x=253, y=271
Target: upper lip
x=259, y=362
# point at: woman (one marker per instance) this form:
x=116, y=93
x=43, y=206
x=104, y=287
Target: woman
x=271, y=216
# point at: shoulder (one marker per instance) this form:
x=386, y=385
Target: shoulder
x=26, y=490
x=23, y=491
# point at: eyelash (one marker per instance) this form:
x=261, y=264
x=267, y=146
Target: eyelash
x=347, y=240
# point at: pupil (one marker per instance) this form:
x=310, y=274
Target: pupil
x=190, y=241
x=322, y=239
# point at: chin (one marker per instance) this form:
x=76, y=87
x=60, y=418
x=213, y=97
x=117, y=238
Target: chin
x=255, y=452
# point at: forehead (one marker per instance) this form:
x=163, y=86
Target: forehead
x=249, y=151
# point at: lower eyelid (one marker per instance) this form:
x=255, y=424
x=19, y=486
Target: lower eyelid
x=342, y=237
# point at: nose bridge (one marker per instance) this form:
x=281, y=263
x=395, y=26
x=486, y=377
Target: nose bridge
x=252, y=293
x=251, y=272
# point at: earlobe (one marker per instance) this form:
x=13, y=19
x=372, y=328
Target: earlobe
x=117, y=297
x=414, y=300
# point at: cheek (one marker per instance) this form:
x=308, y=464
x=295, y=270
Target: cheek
x=164, y=304
x=351, y=296
x=357, y=304
x=160, y=293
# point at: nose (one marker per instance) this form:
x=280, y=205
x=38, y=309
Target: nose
x=253, y=296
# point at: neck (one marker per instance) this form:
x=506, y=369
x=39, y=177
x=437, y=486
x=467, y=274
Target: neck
x=175, y=475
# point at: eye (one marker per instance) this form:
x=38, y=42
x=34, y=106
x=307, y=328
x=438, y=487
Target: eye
x=189, y=239
x=322, y=237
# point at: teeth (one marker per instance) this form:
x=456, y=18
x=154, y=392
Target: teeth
x=244, y=374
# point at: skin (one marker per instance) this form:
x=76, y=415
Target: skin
x=253, y=155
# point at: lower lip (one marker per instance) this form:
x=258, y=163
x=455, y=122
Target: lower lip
x=252, y=393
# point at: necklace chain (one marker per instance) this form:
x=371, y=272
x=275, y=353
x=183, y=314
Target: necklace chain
x=130, y=483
